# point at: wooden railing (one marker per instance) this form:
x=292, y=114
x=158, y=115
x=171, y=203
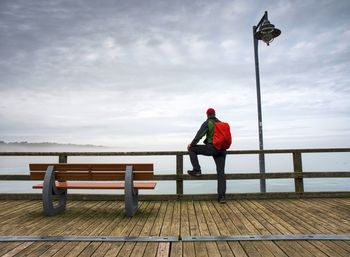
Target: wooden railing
x=298, y=175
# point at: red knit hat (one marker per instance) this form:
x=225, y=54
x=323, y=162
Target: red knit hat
x=210, y=112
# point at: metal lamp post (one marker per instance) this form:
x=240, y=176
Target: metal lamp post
x=266, y=32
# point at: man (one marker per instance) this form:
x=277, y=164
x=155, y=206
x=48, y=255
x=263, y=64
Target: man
x=207, y=129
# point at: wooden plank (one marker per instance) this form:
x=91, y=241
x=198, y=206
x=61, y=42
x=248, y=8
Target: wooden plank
x=329, y=211
x=237, y=249
x=270, y=224
x=248, y=217
x=99, y=185
x=95, y=175
x=53, y=249
x=157, y=226
x=309, y=221
x=151, y=219
x=227, y=224
x=291, y=218
x=102, y=249
x=129, y=248
x=140, y=247
x=293, y=249
x=77, y=227
x=274, y=218
x=295, y=245
x=176, y=219
x=6, y=247
x=12, y=214
x=91, y=166
x=200, y=247
x=232, y=210
x=234, y=225
x=88, y=250
x=151, y=248
x=133, y=228
x=254, y=227
x=29, y=221
x=234, y=176
x=329, y=249
x=166, y=226
x=304, y=224
x=188, y=247
x=276, y=224
x=212, y=247
x=223, y=247
x=268, y=248
x=265, y=250
x=95, y=228
x=306, y=245
x=226, y=227
x=328, y=218
x=344, y=244
x=342, y=203
x=266, y=221
x=163, y=249
x=18, y=249
x=250, y=249
x=176, y=247
x=43, y=247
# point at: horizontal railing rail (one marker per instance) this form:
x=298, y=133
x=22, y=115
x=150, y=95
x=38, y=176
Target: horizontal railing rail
x=298, y=175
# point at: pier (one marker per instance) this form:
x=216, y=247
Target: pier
x=295, y=223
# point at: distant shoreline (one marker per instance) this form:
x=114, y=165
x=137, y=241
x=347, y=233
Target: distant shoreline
x=48, y=146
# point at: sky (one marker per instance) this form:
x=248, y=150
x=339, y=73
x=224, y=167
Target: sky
x=140, y=75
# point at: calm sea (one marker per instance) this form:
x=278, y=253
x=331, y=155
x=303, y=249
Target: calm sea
x=167, y=165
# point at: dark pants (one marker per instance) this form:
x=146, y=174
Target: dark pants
x=219, y=158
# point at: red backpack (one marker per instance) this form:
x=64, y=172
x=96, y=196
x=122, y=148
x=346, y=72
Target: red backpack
x=222, y=136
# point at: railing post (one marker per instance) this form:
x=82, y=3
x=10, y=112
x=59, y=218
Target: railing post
x=62, y=158
x=298, y=169
x=179, y=175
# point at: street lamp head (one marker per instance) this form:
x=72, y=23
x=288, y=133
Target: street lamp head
x=267, y=32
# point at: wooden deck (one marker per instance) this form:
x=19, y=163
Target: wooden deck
x=179, y=218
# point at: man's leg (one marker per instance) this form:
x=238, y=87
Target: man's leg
x=220, y=169
x=199, y=149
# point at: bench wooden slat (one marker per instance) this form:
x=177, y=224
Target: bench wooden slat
x=91, y=167
x=94, y=175
x=99, y=185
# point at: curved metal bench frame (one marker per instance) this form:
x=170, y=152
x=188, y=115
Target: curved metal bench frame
x=131, y=193
x=50, y=190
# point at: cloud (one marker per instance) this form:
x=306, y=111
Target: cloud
x=86, y=72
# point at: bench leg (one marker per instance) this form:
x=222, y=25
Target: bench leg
x=131, y=194
x=49, y=190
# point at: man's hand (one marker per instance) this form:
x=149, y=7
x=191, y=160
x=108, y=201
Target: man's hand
x=189, y=147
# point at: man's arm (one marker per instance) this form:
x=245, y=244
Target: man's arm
x=201, y=133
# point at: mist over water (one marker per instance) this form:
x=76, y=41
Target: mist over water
x=167, y=165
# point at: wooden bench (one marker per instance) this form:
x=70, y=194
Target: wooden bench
x=59, y=177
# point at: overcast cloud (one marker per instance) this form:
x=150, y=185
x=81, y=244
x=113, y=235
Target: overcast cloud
x=141, y=74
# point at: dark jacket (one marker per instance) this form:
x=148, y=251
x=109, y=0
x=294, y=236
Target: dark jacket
x=207, y=129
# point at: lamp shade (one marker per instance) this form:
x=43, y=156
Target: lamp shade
x=267, y=32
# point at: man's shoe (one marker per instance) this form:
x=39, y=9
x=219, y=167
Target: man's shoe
x=195, y=173
x=221, y=199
